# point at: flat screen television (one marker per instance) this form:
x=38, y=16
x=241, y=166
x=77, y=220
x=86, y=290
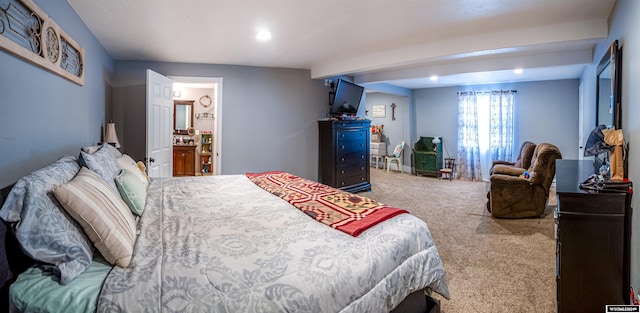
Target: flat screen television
x=346, y=99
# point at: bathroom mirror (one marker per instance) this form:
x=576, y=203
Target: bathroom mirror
x=608, y=107
x=182, y=116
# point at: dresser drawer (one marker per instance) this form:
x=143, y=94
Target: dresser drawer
x=350, y=180
x=351, y=158
x=351, y=135
x=351, y=168
x=348, y=146
x=342, y=125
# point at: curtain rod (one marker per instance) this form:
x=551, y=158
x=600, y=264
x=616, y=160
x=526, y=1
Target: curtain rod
x=501, y=91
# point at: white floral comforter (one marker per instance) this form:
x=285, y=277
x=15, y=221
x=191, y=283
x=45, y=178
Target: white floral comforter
x=222, y=244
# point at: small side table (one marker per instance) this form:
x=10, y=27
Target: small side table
x=378, y=150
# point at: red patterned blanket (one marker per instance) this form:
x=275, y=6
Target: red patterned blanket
x=339, y=209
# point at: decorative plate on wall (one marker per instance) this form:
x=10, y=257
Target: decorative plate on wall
x=205, y=101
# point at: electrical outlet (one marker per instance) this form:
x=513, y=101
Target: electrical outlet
x=327, y=82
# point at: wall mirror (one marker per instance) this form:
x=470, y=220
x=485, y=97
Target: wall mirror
x=608, y=107
x=182, y=116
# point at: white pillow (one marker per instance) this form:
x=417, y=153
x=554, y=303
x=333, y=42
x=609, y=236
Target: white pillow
x=127, y=163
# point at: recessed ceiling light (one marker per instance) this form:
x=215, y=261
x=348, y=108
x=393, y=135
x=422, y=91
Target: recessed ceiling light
x=433, y=78
x=263, y=35
x=518, y=71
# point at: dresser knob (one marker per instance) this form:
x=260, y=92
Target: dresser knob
x=341, y=172
x=342, y=159
x=342, y=147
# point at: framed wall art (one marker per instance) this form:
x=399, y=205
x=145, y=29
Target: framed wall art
x=379, y=110
x=27, y=32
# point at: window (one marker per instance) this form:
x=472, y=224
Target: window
x=485, y=131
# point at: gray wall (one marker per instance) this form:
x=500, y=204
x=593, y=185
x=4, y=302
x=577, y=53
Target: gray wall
x=545, y=111
x=269, y=115
x=394, y=131
x=45, y=116
x=624, y=27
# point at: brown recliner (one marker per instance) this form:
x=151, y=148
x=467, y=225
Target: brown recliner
x=522, y=161
x=514, y=196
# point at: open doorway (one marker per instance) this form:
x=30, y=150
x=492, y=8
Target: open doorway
x=206, y=92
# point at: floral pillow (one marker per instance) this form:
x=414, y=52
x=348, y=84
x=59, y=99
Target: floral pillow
x=103, y=162
x=44, y=231
x=398, y=150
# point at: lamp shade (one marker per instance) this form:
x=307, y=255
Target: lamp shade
x=111, y=136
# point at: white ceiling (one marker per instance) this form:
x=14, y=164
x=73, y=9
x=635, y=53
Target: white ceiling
x=401, y=42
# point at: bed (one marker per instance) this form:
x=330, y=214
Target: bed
x=216, y=244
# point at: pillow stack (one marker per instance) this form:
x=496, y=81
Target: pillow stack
x=101, y=190
x=103, y=197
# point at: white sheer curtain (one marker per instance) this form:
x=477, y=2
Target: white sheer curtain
x=468, y=160
x=501, y=124
x=485, y=131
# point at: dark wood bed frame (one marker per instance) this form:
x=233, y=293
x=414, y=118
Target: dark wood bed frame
x=13, y=262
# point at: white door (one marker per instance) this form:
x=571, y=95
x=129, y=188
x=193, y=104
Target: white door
x=159, y=125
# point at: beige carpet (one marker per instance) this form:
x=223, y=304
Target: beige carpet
x=492, y=265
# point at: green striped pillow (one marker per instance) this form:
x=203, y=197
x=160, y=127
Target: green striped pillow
x=104, y=217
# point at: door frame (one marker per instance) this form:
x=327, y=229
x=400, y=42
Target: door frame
x=218, y=109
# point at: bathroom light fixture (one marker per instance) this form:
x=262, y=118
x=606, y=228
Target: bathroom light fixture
x=518, y=71
x=433, y=78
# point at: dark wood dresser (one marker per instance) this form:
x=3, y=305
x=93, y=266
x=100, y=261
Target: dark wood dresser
x=343, y=154
x=184, y=160
x=593, y=237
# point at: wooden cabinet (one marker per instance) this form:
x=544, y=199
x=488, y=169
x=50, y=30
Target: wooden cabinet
x=593, y=236
x=343, y=156
x=184, y=160
x=206, y=155
x=427, y=157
